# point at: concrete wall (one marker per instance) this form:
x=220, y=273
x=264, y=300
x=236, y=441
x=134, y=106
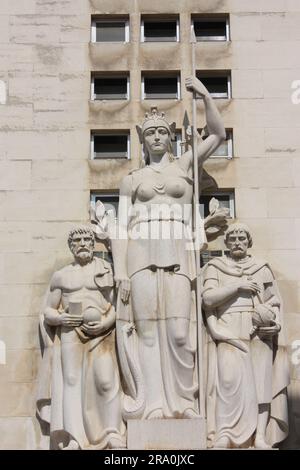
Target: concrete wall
x=46, y=177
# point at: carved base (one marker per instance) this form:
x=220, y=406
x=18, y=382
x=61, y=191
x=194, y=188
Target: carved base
x=165, y=434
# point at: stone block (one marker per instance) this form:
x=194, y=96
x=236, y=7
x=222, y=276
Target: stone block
x=21, y=366
x=16, y=57
x=75, y=86
x=22, y=300
x=30, y=144
x=45, y=205
x=251, y=203
x=17, y=399
x=20, y=87
x=50, y=236
x=15, y=175
x=34, y=29
x=4, y=28
x=167, y=434
x=74, y=144
x=247, y=84
x=27, y=268
x=283, y=202
x=58, y=174
x=19, y=333
x=274, y=234
x=75, y=29
x=280, y=144
x=281, y=26
x=18, y=433
x=296, y=171
x=279, y=85
x=57, y=7
x=50, y=58
x=285, y=264
x=246, y=26
x=13, y=238
x=248, y=142
x=16, y=117
x=290, y=292
x=67, y=115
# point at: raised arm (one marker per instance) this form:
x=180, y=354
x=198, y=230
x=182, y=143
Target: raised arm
x=214, y=124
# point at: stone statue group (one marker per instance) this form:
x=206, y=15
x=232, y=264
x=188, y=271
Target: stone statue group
x=120, y=341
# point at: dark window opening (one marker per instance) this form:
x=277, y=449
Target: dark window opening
x=210, y=30
x=160, y=30
x=217, y=85
x=110, y=146
x=160, y=87
x=110, y=31
x=110, y=88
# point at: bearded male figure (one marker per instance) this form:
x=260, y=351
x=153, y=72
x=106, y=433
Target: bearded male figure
x=81, y=398
x=248, y=371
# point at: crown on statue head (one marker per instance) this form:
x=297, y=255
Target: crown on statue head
x=154, y=118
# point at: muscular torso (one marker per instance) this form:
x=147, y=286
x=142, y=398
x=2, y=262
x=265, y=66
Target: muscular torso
x=77, y=284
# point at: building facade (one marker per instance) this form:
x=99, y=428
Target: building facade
x=76, y=77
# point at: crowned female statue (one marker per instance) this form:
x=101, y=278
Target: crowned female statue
x=154, y=264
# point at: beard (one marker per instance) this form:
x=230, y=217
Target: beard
x=84, y=256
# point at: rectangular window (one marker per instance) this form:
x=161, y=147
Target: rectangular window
x=161, y=86
x=211, y=27
x=110, y=145
x=110, y=29
x=159, y=29
x=217, y=82
x=109, y=87
x=225, y=198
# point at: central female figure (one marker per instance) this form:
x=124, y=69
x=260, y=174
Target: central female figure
x=155, y=263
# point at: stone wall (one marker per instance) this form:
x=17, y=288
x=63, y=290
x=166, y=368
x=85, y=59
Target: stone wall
x=46, y=115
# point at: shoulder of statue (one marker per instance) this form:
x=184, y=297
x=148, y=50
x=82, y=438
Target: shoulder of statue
x=219, y=262
x=103, y=273
x=58, y=276
x=256, y=264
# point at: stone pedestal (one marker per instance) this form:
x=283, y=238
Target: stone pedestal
x=164, y=434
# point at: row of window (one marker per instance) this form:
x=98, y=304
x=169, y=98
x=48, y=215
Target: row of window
x=158, y=28
x=225, y=198
x=117, y=145
x=156, y=85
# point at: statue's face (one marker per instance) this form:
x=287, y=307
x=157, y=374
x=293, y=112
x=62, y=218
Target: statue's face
x=82, y=246
x=157, y=140
x=237, y=243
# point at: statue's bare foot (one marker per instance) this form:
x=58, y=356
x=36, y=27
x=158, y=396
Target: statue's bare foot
x=190, y=414
x=73, y=445
x=260, y=442
x=222, y=443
